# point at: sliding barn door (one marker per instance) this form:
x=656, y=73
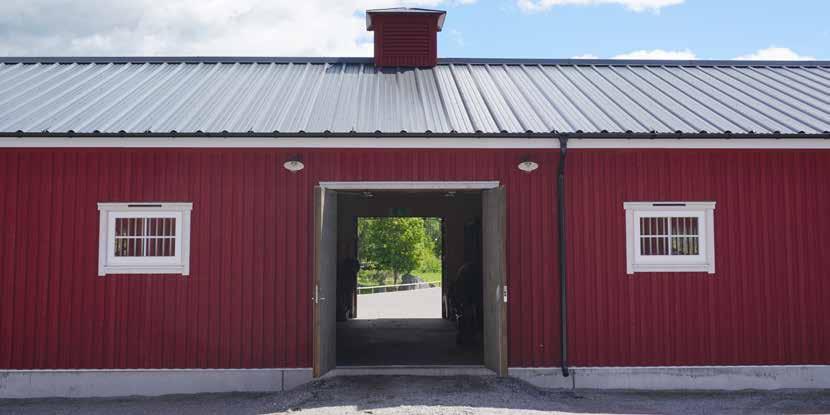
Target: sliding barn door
x=325, y=280
x=494, y=224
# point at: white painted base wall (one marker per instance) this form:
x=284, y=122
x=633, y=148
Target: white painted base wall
x=155, y=382
x=680, y=377
x=149, y=382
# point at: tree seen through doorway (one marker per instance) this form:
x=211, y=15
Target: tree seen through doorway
x=391, y=247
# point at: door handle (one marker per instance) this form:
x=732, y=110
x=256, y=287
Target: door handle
x=317, y=297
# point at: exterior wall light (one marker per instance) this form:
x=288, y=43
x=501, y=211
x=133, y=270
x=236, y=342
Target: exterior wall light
x=528, y=166
x=294, y=165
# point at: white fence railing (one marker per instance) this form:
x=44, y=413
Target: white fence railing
x=397, y=287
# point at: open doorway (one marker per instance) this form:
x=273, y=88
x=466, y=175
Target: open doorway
x=400, y=269
x=418, y=292
x=445, y=308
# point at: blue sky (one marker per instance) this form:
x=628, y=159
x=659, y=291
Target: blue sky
x=709, y=29
x=703, y=29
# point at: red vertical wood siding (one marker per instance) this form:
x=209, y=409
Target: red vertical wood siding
x=246, y=303
x=767, y=302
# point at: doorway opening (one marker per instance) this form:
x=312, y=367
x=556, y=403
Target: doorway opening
x=400, y=269
x=416, y=299
x=408, y=271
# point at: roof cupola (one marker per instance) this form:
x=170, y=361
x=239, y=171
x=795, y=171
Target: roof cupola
x=405, y=37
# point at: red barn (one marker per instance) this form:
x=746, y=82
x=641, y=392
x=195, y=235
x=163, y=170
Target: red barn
x=176, y=224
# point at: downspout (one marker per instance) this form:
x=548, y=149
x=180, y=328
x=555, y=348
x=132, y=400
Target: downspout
x=563, y=282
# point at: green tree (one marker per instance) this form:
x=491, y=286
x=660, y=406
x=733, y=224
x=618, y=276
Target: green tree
x=432, y=226
x=395, y=244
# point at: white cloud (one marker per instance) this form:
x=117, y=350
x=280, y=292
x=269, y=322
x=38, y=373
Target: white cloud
x=191, y=27
x=774, y=53
x=658, y=54
x=633, y=5
x=585, y=56
x=457, y=37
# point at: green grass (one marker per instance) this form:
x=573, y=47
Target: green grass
x=364, y=278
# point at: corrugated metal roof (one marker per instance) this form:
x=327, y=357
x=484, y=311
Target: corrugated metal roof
x=462, y=96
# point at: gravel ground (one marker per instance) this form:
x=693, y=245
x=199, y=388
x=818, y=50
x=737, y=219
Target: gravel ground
x=450, y=395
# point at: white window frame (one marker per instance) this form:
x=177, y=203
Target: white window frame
x=703, y=262
x=108, y=263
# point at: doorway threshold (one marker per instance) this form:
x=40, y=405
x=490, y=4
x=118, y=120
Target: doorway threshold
x=411, y=370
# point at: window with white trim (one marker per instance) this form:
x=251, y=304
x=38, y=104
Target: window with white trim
x=144, y=238
x=670, y=236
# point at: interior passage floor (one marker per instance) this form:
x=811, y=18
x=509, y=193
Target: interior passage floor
x=413, y=341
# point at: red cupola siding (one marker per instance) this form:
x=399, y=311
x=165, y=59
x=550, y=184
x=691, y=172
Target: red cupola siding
x=405, y=37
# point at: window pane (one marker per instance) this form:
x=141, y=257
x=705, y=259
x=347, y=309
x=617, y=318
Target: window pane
x=120, y=227
x=152, y=226
x=685, y=245
x=684, y=226
x=654, y=236
x=145, y=237
x=653, y=226
x=120, y=247
x=654, y=245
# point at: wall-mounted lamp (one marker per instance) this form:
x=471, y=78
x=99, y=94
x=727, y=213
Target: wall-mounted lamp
x=528, y=166
x=294, y=164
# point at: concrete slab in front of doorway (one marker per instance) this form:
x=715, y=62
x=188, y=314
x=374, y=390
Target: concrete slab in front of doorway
x=419, y=342
x=404, y=370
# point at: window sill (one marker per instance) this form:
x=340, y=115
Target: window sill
x=701, y=268
x=161, y=269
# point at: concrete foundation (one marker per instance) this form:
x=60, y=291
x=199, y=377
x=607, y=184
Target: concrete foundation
x=680, y=377
x=110, y=383
x=152, y=382
x=545, y=377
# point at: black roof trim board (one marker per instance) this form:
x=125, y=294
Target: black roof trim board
x=550, y=135
x=360, y=60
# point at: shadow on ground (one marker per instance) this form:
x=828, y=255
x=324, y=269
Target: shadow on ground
x=418, y=395
x=410, y=341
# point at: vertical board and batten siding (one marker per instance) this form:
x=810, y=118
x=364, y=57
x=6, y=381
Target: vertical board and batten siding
x=766, y=303
x=246, y=303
